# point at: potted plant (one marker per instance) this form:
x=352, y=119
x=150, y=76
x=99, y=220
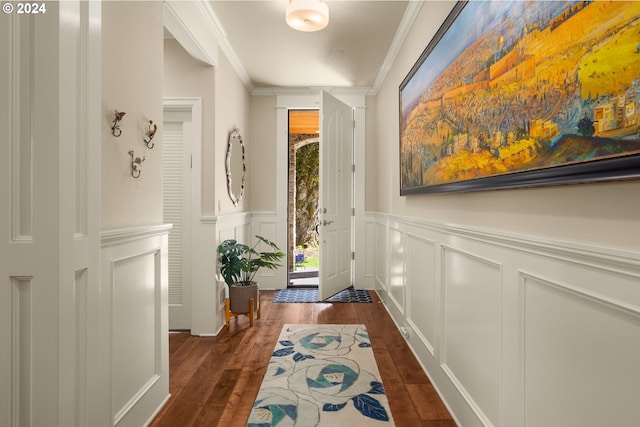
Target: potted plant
x=239, y=264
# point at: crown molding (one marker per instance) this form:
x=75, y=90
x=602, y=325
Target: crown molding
x=409, y=17
x=191, y=28
x=226, y=47
x=311, y=90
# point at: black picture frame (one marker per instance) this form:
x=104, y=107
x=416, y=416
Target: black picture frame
x=418, y=100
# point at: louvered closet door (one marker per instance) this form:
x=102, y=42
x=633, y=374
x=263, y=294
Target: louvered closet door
x=176, y=168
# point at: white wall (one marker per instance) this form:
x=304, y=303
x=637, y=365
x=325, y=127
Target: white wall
x=522, y=304
x=231, y=111
x=134, y=241
x=599, y=213
x=262, y=155
x=131, y=82
x=226, y=106
x=185, y=76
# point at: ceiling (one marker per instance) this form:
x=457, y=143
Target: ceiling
x=354, y=51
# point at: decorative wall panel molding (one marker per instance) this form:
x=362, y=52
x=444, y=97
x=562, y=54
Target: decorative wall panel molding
x=422, y=292
x=515, y=330
x=566, y=333
x=21, y=360
x=381, y=257
x=471, y=329
x=205, y=311
x=370, y=251
x=266, y=224
x=208, y=308
x=396, y=264
x=135, y=281
x=22, y=46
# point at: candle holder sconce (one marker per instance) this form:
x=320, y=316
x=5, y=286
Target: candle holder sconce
x=136, y=165
x=151, y=132
x=115, y=129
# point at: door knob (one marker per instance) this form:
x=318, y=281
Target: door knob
x=327, y=222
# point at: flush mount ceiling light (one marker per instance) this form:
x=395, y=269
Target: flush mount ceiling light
x=307, y=15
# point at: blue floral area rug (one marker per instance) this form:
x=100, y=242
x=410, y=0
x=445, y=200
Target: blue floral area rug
x=311, y=295
x=322, y=375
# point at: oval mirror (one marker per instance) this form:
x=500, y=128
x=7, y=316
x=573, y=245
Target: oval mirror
x=236, y=167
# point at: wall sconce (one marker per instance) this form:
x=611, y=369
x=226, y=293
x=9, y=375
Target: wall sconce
x=115, y=129
x=151, y=132
x=136, y=165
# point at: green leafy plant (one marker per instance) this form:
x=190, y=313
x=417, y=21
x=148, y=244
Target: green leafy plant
x=239, y=263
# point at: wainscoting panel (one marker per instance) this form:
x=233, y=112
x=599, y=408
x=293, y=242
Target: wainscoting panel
x=381, y=258
x=471, y=347
x=514, y=330
x=135, y=312
x=422, y=306
x=369, y=250
x=205, y=317
x=265, y=224
x=232, y=226
x=209, y=288
x=135, y=277
x=578, y=349
x=396, y=267
x=229, y=226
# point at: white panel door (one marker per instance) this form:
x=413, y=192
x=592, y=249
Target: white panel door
x=50, y=298
x=336, y=195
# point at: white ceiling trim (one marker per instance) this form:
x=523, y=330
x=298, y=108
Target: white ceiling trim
x=226, y=47
x=191, y=28
x=333, y=90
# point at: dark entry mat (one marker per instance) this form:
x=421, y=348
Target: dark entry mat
x=311, y=295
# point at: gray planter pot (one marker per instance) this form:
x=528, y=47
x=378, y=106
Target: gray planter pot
x=239, y=297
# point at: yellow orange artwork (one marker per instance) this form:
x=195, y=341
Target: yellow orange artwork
x=511, y=87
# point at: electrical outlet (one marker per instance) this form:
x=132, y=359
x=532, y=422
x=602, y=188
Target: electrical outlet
x=404, y=331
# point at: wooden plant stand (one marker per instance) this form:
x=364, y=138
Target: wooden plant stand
x=250, y=313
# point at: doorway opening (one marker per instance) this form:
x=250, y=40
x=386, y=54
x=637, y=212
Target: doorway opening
x=303, y=257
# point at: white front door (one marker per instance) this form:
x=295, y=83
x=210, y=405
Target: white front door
x=336, y=196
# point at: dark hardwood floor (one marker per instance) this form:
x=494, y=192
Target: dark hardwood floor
x=214, y=380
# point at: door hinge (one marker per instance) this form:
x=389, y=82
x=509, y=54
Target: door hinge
x=353, y=211
x=353, y=255
x=191, y=161
x=353, y=168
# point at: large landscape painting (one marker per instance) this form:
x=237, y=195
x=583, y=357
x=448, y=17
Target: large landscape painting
x=522, y=93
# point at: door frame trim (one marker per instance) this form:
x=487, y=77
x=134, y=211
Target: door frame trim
x=312, y=101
